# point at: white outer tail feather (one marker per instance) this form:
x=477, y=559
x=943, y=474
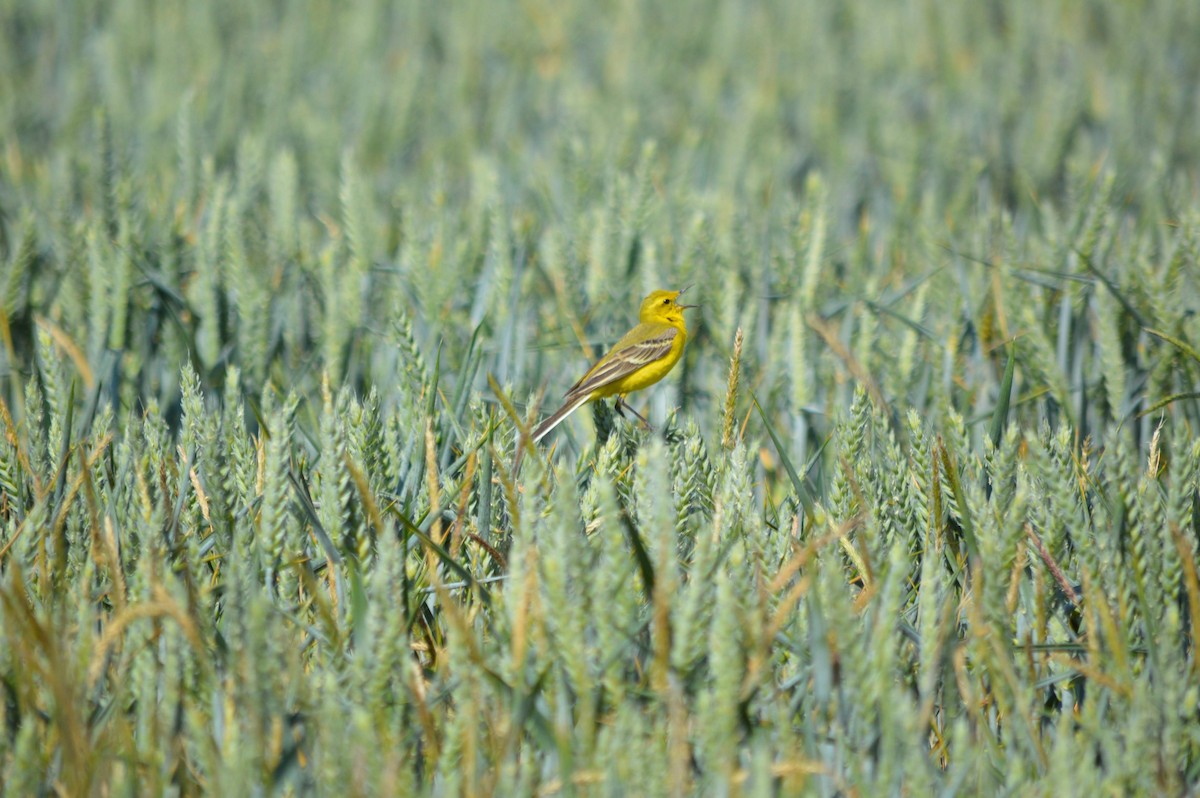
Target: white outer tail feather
x=546, y=426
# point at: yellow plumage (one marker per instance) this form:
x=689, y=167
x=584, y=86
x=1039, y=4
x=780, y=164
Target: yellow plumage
x=642, y=357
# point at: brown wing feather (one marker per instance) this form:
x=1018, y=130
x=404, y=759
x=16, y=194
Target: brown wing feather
x=624, y=361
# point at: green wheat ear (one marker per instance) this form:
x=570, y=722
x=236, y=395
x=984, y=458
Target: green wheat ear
x=728, y=418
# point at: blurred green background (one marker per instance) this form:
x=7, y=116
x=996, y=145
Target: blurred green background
x=259, y=261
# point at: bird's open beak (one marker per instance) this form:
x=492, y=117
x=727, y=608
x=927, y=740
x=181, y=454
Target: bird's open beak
x=681, y=293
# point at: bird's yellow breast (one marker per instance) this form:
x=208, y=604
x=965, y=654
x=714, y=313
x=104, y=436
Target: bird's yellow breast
x=647, y=375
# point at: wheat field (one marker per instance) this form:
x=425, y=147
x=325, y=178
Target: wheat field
x=283, y=285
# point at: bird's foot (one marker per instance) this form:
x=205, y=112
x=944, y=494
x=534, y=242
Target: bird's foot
x=622, y=406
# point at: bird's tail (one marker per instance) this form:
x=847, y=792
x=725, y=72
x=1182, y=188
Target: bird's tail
x=543, y=429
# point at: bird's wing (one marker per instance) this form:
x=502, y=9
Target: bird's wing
x=629, y=355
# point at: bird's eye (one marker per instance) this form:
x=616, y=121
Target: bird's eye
x=666, y=301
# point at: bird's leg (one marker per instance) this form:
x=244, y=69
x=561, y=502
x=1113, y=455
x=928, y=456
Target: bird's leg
x=622, y=405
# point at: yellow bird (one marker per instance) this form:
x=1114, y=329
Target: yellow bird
x=642, y=357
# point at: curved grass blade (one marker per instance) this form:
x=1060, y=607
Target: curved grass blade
x=803, y=492
x=1179, y=343
x=1161, y=403
x=645, y=565
x=950, y=469
x=306, y=504
x=1000, y=415
x=454, y=565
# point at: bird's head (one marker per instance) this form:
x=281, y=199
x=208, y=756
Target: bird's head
x=663, y=307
